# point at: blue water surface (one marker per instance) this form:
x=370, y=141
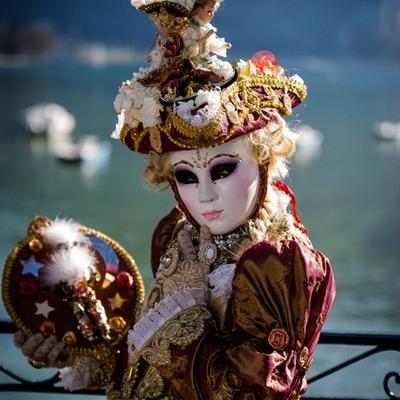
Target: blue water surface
x=348, y=193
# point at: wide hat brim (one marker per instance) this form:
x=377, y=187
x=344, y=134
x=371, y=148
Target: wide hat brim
x=246, y=105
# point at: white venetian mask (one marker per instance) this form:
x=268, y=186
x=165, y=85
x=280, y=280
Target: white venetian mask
x=218, y=185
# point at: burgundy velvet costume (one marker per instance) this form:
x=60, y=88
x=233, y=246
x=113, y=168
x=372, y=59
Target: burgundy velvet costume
x=281, y=294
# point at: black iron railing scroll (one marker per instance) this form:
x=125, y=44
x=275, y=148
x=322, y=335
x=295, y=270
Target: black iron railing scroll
x=379, y=343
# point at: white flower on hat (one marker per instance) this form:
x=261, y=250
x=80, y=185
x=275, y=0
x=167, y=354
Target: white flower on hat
x=119, y=126
x=222, y=68
x=216, y=45
x=139, y=103
x=149, y=114
x=200, y=111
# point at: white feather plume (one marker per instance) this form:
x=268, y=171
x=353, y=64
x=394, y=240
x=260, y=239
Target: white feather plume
x=63, y=231
x=69, y=265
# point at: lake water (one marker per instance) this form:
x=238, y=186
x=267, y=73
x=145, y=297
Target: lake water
x=348, y=194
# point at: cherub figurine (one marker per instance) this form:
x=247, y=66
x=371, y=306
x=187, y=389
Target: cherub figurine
x=200, y=36
x=183, y=37
x=170, y=25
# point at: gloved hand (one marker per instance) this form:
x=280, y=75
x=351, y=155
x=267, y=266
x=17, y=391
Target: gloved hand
x=192, y=271
x=43, y=351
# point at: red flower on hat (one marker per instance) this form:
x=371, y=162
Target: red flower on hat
x=263, y=60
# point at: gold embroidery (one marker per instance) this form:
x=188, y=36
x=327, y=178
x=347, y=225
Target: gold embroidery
x=187, y=327
x=170, y=260
x=294, y=396
x=304, y=359
x=158, y=353
x=200, y=161
x=224, y=393
x=151, y=386
x=189, y=274
x=155, y=297
x=182, y=330
x=155, y=139
x=188, y=131
x=112, y=393
x=129, y=380
x=317, y=285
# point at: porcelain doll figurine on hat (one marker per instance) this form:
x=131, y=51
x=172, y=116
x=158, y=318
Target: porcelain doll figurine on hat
x=239, y=295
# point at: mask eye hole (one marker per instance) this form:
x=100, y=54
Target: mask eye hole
x=185, y=177
x=223, y=170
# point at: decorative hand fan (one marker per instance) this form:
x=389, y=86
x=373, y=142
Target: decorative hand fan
x=71, y=281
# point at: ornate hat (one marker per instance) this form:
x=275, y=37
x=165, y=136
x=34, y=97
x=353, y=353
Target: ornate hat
x=71, y=281
x=188, y=98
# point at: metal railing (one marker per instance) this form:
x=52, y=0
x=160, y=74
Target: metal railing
x=379, y=343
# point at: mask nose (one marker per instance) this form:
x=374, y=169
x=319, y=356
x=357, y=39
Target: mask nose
x=207, y=192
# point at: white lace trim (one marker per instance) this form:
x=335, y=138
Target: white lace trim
x=78, y=376
x=220, y=281
x=155, y=318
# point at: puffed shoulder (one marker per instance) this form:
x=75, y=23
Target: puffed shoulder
x=282, y=292
x=162, y=235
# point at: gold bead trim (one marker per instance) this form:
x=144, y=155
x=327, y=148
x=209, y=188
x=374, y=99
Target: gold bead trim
x=189, y=131
x=6, y=284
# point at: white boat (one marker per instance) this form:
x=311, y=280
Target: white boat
x=388, y=131
x=48, y=118
x=308, y=143
x=308, y=137
x=88, y=149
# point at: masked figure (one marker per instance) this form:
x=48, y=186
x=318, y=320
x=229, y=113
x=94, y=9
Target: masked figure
x=239, y=294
